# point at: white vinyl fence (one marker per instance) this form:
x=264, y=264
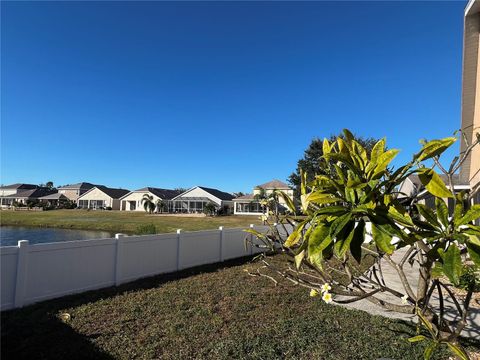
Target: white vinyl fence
x=32, y=273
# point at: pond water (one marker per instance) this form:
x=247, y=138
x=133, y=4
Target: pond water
x=9, y=235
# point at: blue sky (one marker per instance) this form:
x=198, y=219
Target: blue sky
x=220, y=94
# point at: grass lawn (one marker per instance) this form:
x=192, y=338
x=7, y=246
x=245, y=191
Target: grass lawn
x=210, y=312
x=119, y=221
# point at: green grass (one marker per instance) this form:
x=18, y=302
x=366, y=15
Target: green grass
x=119, y=221
x=211, y=312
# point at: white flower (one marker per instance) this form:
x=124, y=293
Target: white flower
x=326, y=288
x=405, y=299
x=327, y=297
x=314, y=293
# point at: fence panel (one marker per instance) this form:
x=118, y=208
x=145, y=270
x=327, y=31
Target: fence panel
x=199, y=247
x=59, y=269
x=8, y=269
x=148, y=255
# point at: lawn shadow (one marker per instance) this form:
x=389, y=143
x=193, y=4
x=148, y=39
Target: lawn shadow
x=37, y=331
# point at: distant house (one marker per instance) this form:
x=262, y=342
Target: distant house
x=133, y=200
x=413, y=186
x=22, y=197
x=101, y=197
x=195, y=199
x=55, y=199
x=74, y=191
x=250, y=205
x=14, y=188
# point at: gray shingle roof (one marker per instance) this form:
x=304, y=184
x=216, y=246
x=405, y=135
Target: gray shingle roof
x=19, y=186
x=82, y=185
x=274, y=184
x=112, y=192
x=219, y=194
x=164, y=194
x=245, y=197
x=31, y=194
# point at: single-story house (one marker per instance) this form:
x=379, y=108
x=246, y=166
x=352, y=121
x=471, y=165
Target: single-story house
x=195, y=199
x=73, y=191
x=14, y=188
x=24, y=196
x=133, y=200
x=250, y=204
x=101, y=197
x=54, y=199
x=413, y=186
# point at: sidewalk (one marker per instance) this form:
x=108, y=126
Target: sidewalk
x=391, y=278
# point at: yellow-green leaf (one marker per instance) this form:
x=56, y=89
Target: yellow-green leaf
x=434, y=148
x=434, y=184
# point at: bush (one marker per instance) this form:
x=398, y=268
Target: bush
x=146, y=229
x=108, y=208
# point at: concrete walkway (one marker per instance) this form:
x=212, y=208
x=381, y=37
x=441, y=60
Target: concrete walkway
x=391, y=279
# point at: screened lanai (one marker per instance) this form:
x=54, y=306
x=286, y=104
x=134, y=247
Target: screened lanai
x=190, y=204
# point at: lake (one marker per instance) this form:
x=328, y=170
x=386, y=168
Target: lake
x=9, y=235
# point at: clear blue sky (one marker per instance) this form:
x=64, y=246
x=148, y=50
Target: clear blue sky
x=222, y=94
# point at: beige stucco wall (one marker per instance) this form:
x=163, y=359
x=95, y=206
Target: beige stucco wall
x=72, y=194
x=137, y=197
x=470, y=170
x=96, y=194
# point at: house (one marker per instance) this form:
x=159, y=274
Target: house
x=101, y=197
x=23, y=197
x=73, y=191
x=250, y=204
x=133, y=200
x=470, y=170
x=195, y=199
x=413, y=186
x=14, y=188
x=55, y=199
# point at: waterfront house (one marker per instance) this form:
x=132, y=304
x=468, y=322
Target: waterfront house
x=195, y=199
x=14, y=188
x=250, y=204
x=101, y=197
x=74, y=191
x=22, y=197
x=133, y=200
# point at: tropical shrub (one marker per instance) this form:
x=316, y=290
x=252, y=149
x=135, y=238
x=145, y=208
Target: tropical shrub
x=355, y=198
x=210, y=209
x=146, y=229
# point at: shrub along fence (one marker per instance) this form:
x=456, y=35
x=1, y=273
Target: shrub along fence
x=32, y=273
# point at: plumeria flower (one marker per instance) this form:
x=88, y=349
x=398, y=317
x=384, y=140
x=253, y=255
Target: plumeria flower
x=405, y=299
x=314, y=293
x=327, y=297
x=326, y=288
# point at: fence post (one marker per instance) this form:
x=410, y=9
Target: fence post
x=251, y=240
x=221, y=242
x=118, y=258
x=179, y=238
x=22, y=263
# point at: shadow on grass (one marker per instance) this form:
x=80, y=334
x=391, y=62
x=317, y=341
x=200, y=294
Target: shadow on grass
x=38, y=332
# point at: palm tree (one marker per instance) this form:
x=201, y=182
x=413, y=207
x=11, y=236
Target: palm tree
x=148, y=203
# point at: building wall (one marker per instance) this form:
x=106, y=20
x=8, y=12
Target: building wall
x=8, y=192
x=97, y=194
x=471, y=95
x=137, y=197
x=71, y=194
